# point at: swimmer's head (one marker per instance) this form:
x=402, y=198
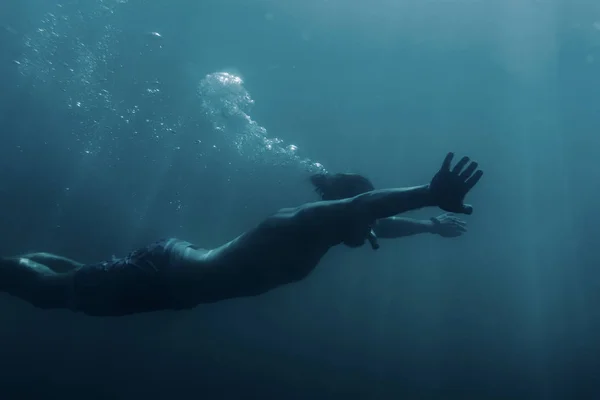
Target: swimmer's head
x=340, y=186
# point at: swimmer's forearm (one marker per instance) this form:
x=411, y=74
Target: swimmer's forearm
x=385, y=203
x=396, y=227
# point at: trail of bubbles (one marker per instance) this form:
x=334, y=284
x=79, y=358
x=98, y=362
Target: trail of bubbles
x=227, y=104
x=72, y=58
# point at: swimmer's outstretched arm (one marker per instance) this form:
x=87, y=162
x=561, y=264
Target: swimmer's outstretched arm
x=446, y=190
x=386, y=203
x=397, y=227
x=363, y=209
x=445, y=225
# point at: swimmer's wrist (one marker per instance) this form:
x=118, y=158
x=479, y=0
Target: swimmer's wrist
x=432, y=225
x=427, y=197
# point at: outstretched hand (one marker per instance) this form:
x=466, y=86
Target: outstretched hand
x=447, y=225
x=450, y=186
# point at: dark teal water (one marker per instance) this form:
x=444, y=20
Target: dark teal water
x=113, y=136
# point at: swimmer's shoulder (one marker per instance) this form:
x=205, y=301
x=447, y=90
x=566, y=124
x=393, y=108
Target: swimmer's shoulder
x=314, y=212
x=284, y=217
x=307, y=209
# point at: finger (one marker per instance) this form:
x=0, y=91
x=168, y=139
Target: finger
x=467, y=209
x=472, y=181
x=460, y=228
x=460, y=165
x=447, y=162
x=459, y=222
x=469, y=170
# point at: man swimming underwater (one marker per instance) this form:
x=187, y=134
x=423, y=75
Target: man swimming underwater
x=173, y=274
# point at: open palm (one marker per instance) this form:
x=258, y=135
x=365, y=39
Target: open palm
x=450, y=186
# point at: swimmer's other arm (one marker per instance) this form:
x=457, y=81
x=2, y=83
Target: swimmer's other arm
x=445, y=225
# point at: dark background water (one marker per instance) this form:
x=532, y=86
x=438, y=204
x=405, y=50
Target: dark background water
x=383, y=88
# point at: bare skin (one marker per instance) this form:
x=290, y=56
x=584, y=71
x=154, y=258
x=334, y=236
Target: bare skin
x=285, y=248
x=446, y=225
x=339, y=186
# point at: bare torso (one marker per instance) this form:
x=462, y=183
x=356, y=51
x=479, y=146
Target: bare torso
x=281, y=250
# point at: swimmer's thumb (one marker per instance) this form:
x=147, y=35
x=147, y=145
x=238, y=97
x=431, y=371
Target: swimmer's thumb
x=467, y=209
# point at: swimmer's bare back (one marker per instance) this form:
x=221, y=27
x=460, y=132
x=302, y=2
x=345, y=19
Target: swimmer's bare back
x=284, y=248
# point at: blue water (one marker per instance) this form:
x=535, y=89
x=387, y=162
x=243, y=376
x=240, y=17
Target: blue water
x=124, y=121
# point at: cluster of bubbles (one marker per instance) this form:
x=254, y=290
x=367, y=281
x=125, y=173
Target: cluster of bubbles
x=73, y=58
x=227, y=105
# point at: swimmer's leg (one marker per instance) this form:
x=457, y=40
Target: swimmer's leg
x=54, y=262
x=35, y=283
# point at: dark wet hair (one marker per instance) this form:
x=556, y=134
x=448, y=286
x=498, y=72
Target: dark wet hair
x=340, y=186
